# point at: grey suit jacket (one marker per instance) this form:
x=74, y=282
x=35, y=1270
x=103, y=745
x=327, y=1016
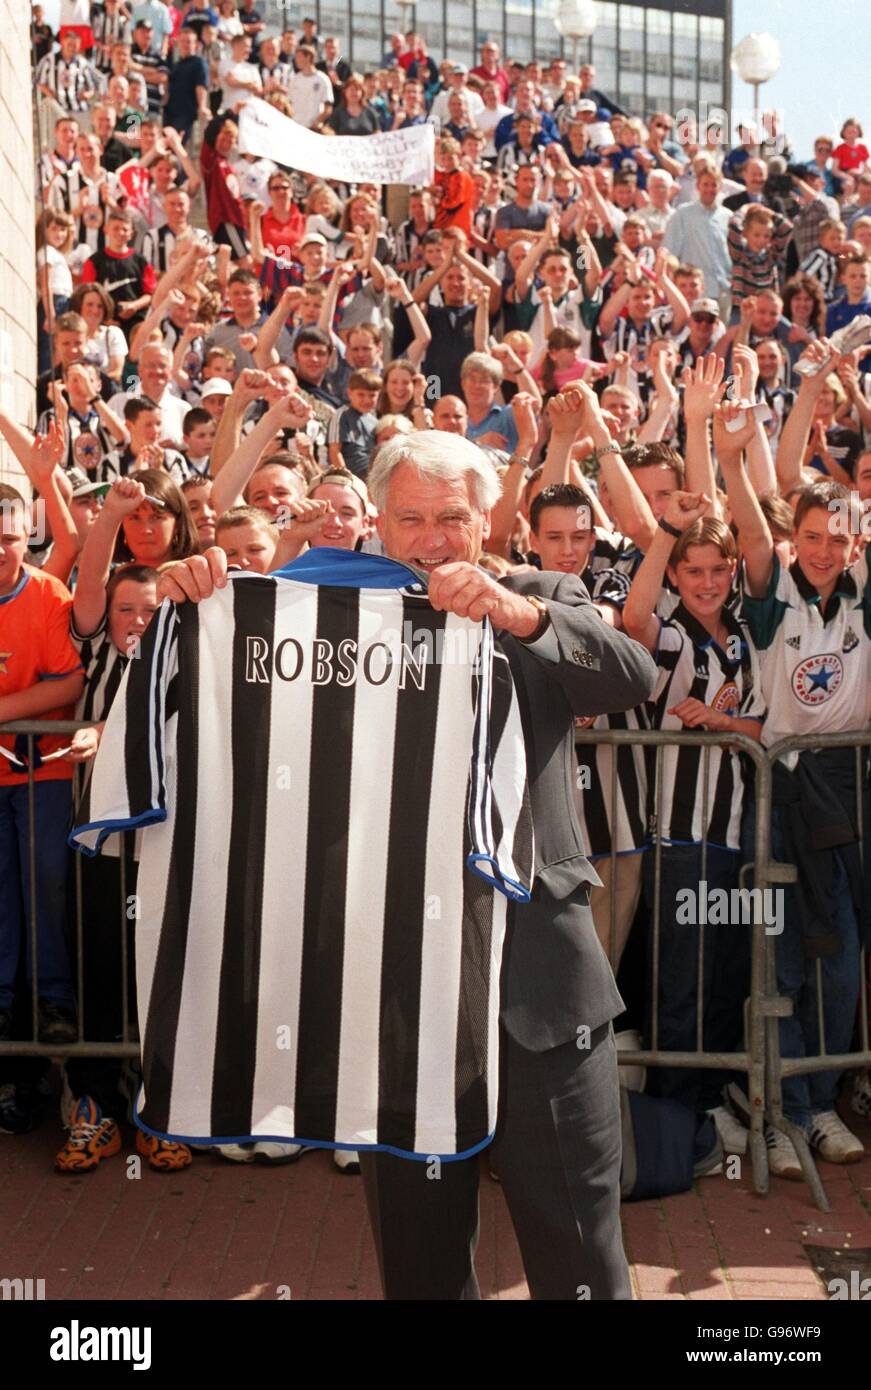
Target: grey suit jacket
x=556, y=977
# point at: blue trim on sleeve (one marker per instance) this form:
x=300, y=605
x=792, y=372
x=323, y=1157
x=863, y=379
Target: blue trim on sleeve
x=60, y=675
x=351, y=569
x=497, y=879
x=111, y=827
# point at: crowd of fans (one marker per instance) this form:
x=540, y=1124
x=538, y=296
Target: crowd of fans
x=598, y=298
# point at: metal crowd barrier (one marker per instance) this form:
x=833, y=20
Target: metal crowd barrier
x=759, y=1061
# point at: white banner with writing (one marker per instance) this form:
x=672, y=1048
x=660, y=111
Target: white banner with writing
x=397, y=156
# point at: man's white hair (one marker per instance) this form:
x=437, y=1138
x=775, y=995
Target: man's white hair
x=435, y=454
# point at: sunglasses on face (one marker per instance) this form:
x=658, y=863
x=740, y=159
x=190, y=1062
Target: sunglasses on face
x=703, y=318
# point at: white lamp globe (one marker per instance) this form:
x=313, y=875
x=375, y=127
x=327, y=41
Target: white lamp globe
x=756, y=58
x=575, y=19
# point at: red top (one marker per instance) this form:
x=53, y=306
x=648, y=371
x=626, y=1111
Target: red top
x=222, y=190
x=283, y=237
x=850, y=157
x=500, y=77
x=35, y=646
x=454, y=208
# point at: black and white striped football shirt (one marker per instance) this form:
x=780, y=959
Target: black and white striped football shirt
x=700, y=794
x=71, y=83
x=339, y=814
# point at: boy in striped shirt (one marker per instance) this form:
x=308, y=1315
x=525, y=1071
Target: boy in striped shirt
x=757, y=239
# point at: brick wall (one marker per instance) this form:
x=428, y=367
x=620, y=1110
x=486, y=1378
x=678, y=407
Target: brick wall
x=17, y=277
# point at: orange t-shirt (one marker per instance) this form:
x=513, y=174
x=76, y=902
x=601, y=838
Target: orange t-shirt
x=454, y=208
x=35, y=645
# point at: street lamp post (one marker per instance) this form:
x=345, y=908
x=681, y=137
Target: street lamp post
x=575, y=20
x=756, y=59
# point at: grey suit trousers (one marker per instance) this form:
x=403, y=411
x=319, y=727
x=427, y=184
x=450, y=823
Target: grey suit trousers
x=557, y=1152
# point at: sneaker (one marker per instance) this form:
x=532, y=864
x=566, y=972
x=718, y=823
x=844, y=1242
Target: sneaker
x=860, y=1100
x=163, y=1155
x=733, y=1135
x=92, y=1138
x=833, y=1141
x=57, y=1023
x=346, y=1160
x=20, y=1109
x=236, y=1153
x=782, y=1158
x=266, y=1151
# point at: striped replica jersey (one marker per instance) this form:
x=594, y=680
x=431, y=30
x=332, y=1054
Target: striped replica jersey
x=335, y=780
x=611, y=782
x=699, y=794
x=104, y=669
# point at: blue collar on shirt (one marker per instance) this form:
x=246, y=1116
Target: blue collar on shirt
x=349, y=569
x=18, y=587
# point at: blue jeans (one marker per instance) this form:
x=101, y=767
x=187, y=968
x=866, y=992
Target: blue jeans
x=51, y=805
x=810, y=1095
x=726, y=971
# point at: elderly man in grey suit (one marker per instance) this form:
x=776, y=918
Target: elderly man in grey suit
x=558, y=1133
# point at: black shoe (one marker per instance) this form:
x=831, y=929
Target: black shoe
x=5, y=1024
x=20, y=1109
x=56, y=1023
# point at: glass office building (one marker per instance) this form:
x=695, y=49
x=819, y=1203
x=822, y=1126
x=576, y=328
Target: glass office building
x=646, y=56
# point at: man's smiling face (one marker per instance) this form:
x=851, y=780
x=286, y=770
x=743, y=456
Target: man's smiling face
x=429, y=522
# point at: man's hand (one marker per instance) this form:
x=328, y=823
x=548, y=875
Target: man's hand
x=818, y=352
x=46, y=454
x=726, y=442
x=747, y=308
x=747, y=366
x=83, y=748
x=150, y=456
x=56, y=392
x=460, y=587
x=504, y=353
x=523, y=410
x=703, y=387
x=195, y=578
x=395, y=286
x=566, y=412
x=306, y=517
x=123, y=497
x=290, y=412
x=247, y=341
x=250, y=385
x=695, y=714
x=685, y=508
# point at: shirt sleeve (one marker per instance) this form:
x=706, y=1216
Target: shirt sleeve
x=59, y=656
x=127, y=787
x=763, y=616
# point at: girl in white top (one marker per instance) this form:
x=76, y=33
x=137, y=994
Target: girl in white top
x=106, y=347
x=54, y=238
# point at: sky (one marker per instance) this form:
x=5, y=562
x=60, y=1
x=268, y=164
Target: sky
x=825, y=60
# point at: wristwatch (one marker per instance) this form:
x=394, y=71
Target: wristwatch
x=522, y=459
x=613, y=448
x=543, y=621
